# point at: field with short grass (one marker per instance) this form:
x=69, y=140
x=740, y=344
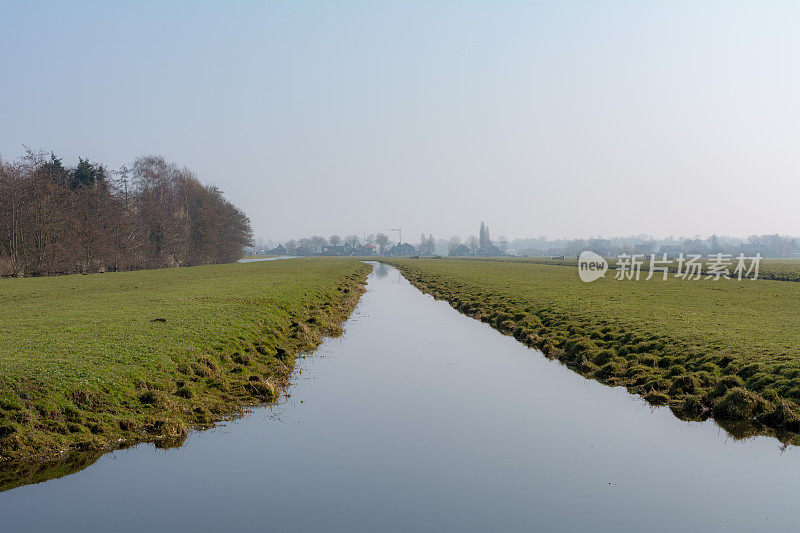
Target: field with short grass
x=728, y=349
x=769, y=268
x=106, y=360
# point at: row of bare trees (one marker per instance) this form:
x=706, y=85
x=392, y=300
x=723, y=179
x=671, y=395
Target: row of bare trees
x=59, y=220
x=316, y=243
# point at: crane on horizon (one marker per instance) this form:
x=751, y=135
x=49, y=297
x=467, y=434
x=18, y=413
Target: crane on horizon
x=399, y=231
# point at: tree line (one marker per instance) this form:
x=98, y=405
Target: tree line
x=315, y=243
x=427, y=245
x=60, y=220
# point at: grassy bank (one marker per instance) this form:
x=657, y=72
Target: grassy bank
x=726, y=349
x=89, y=363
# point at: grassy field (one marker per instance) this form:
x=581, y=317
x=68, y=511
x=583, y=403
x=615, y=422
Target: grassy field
x=106, y=360
x=727, y=349
x=769, y=269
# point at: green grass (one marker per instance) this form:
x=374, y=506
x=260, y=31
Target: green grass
x=99, y=361
x=724, y=348
x=785, y=269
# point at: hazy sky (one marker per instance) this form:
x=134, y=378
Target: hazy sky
x=556, y=118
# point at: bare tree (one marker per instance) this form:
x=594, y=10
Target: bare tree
x=502, y=242
x=59, y=220
x=317, y=243
x=381, y=240
x=304, y=247
x=351, y=241
x=472, y=242
x=453, y=243
x=335, y=240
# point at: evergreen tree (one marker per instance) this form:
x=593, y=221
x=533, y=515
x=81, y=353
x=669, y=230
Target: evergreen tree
x=87, y=174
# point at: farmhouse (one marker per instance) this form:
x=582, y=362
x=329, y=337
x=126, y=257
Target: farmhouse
x=489, y=251
x=462, y=250
x=403, y=249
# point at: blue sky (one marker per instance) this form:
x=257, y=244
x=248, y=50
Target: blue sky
x=554, y=118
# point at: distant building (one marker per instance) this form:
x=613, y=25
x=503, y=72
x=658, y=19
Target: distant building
x=403, y=249
x=359, y=250
x=332, y=250
x=751, y=250
x=462, y=250
x=699, y=249
x=278, y=250
x=672, y=251
x=489, y=251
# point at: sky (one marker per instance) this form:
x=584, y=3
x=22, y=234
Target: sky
x=565, y=119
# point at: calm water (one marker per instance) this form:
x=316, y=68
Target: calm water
x=274, y=258
x=420, y=419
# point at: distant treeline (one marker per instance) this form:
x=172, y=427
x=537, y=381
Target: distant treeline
x=60, y=220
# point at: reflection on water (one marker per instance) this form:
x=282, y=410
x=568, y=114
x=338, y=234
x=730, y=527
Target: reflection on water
x=381, y=270
x=18, y=474
x=421, y=419
x=273, y=258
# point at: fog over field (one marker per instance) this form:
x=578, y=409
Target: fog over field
x=559, y=119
